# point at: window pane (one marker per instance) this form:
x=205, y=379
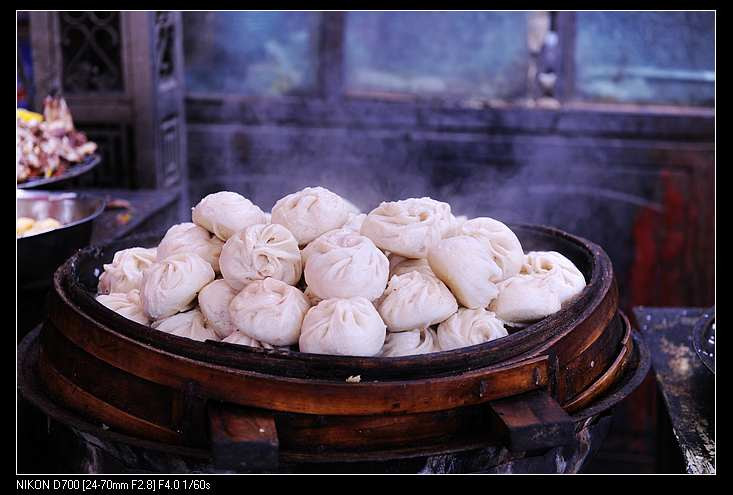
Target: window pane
x=662, y=57
x=259, y=53
x=470, y=53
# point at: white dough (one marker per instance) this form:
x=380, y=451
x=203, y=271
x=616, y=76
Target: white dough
x=169, y=286
x=410, y=343
x=260, y=251
x=547, y=282
x=503, y=243
x=269, y=311
x=409, y=265
x=563, y=276
x=455, y=225
x=311, y=212
x=524, y=299
x=415, y=300
x=467, y=266
x=240, y=338
x=394, y=260
x=127, y=304
x=355, y=221
x=346, y=327
x=344, y=264
x=190, y=238
x=125, y=273
x=409, y=227
x=224, y=213
x=214, y=302
x=469, y=327
x=189, y=324
x=312, y=298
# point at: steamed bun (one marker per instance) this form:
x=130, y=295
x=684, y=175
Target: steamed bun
x=469, y=327
x=189, y=324
x=467, y=266
x=125, y=273
x=269, y=311
x=547, y=282
x=260, y=251
x=224, y=213
x=311, y=212
x=413, y=342
x=355, y=221
x=240, y=338
x=344, y=264
x=409, y=227
x=409, y=265
x=127, y=304
x=346, y=327
x=214, y=301
x=171, y=285
x=415, y=300
x=190, y=238
x=501, y=241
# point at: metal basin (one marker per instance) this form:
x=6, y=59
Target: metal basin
x=39, y=255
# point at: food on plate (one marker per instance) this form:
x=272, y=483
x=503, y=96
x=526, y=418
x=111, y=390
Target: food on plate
x=26, y=226
x=47, y=145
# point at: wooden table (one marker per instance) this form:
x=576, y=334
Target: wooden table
x=686, y=385
x=151, y=210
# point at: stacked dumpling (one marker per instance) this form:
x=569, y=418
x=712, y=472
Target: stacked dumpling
x=343, y=263
x=547, y=282
x=410, y=227
x=125, y=273
x=260, y=251
x=319, y=276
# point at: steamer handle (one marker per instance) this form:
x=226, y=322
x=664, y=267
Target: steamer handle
x=243, y=439
x=532, y=420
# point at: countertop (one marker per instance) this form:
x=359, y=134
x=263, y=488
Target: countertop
x=687, y=386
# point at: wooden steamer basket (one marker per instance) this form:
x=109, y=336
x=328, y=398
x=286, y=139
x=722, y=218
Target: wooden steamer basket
x=251, y=408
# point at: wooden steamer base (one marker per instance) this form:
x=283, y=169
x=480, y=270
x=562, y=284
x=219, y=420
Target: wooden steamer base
x=237, y=408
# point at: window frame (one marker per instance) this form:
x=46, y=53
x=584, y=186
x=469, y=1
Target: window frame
x=335, y=104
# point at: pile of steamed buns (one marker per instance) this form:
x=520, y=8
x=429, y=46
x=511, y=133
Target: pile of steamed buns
x=407, y=278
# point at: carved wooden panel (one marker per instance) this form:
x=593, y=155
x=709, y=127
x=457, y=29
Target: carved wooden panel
x=91, y=46
x=170, y=152
x=120, y=73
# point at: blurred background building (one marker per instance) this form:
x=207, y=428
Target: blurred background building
x=598, y=123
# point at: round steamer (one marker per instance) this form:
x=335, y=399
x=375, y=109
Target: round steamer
x=196, y=393
x=98, y=449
